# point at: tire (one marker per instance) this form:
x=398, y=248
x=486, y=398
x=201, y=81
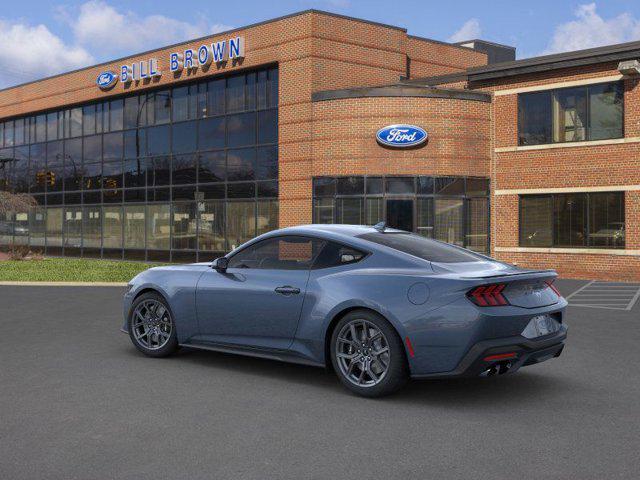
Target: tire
x=157, y=338
x=362, y=368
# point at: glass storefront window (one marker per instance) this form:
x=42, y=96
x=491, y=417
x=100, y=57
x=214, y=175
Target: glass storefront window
x=21, y=228
x=134, y=225
x=323, y=210
x=349, y=211
x=424, y=213
x=449, y=215
x=374, y=213
x=241, y=222
x=211, y=235
x=267, y=216
x=6, y=228
x=92, y=227
x=158, y=226
x=184, y=226
x=73, y=227
x=451, y=209
x=112, y=227
x=477, y=232
x=108, y=171
x=37, y=226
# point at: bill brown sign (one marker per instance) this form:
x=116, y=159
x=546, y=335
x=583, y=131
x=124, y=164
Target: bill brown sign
x=189, y=59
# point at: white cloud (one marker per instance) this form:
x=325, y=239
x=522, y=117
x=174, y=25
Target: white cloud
x=591, y=30
x=29, y=52
x=97, y=31
x=107, y=31
x=469, y=31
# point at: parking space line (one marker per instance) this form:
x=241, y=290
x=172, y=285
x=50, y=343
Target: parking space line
x=634, y=300
x=579, y=290
x=610, y=296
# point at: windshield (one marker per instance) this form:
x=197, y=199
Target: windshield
x=422, y=247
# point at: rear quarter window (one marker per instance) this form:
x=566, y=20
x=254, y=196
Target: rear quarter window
x=421, y=247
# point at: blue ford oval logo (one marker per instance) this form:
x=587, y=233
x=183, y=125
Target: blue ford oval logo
x=106, y=80
x=401, y=136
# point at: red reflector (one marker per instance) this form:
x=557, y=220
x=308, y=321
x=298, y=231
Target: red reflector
x=488, y=295
x=409, y=347
x=553, y=287
x=500, y=356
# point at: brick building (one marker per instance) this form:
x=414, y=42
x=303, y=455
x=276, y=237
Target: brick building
x=184, y=152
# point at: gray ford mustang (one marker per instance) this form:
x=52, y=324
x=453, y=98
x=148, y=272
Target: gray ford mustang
x=377, y=305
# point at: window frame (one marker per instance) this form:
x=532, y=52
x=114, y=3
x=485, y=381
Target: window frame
x=552, y=92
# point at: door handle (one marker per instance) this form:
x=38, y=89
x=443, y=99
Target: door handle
x=287, y=290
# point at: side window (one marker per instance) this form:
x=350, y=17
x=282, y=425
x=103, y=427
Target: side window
x=335, y=254
x=280, y=253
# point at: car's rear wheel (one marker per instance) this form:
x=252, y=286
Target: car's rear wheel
x=151, y=326
x=368, y=355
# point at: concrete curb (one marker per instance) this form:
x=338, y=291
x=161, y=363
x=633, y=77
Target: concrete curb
x=63, y=284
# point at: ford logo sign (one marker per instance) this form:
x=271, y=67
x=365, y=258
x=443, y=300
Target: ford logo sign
x=401, y=136
x=106, y=80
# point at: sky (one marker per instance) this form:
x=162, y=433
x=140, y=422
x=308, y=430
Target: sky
x=39, y=38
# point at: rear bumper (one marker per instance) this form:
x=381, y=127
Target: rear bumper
x=527, y=352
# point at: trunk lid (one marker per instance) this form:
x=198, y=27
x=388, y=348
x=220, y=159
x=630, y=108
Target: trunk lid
x=522, y=287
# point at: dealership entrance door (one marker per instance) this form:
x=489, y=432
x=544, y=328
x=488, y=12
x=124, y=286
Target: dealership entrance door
x=400, y=214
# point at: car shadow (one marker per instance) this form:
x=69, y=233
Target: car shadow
x=517, y=389
x=521, y=388
x=240, y=364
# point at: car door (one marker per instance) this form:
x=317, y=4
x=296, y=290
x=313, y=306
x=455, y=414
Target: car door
x=257, y=301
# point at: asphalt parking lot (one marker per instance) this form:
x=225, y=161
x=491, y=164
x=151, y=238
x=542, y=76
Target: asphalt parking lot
x=77, y=401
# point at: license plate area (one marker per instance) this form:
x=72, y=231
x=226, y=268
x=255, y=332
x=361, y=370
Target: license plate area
x=541, y=326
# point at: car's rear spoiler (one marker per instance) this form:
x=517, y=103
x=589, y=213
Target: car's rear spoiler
x=522, y=274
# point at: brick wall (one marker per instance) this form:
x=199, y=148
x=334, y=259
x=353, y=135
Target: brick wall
x=315, y=51
x=564, y=167
x=344, y=143
x=429, y=58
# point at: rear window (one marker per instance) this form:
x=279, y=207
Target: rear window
x=421, y=247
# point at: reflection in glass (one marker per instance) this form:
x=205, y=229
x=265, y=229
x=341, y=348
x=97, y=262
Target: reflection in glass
x=349, y=211
x=241, y=222
x=477, y=235
x=374, y=213
x=112, y=227
x=211, y=167
x=92, y=227
x=241, y=129
x=211, y=133
x=37, y=226
x=184, y=226
x=323, y=210
x=267, y=216
x=449, y=215
x=424, y=217
x=211, y=226
x=158, y=226
x=73, y=227
x=134, y=225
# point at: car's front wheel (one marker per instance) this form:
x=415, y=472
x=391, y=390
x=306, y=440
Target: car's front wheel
x=368, y=355
x=151, y=326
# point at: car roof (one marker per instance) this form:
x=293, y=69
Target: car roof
x=332, y=229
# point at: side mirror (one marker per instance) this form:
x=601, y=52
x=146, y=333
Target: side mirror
x=221, y=264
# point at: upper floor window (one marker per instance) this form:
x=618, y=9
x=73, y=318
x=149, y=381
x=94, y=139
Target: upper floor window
x=577, y=114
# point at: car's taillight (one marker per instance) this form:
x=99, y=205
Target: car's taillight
x=553, y=287
x=488, y=295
